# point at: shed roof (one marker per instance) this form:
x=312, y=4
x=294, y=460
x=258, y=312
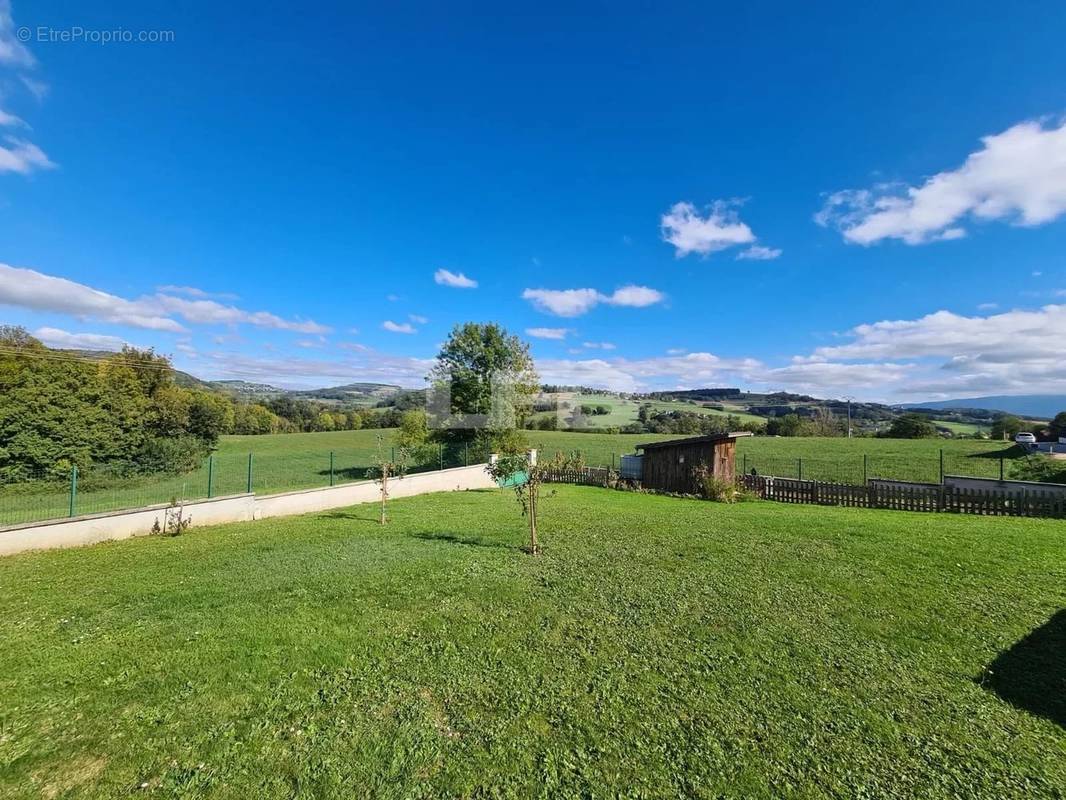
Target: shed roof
x=716, y=437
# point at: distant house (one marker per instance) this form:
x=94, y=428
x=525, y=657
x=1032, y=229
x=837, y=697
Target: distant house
x=669, y=466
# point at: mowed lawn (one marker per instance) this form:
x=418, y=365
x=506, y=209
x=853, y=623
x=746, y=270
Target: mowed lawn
x=289, y=461
x=659, y=648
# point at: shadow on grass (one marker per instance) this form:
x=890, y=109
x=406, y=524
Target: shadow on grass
x=346, y=474
x=1031, y=675
x=1012, y=451
x=365, y=516
x=464, y=541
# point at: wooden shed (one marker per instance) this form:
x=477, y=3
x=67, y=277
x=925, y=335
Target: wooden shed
x=669, y=466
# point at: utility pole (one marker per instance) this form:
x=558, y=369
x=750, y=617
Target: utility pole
x=849, y=398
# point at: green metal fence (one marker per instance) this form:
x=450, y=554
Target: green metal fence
x=72, y=492
x=41, y=496
x=859, y=468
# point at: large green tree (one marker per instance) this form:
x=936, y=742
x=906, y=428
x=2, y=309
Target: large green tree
x=491, y=380
x=912, y=426
x=58, y=410
x=1057, y=429
x=1007, y=426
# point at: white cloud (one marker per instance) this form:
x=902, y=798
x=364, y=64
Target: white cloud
x=1018, y=176
x=305, y=372
x=12, y=51
x=39, y=89
x=26, y=288
x=598, y=345
x=417, y=319
x=456, y=280
x=209, y=312
x=398, y=327
x=759, y=253
x=1006, y=337
x=192, y=291
x=312, y=344
x=563, y=302
x=631, y=375
x=684, y=228
x=575, y=302
x=22, y=157
x=547, y=333
x=185, y=347
x=55, y=337
x=987, y=306
x=941, y=354
x=634, y=296
x=593, y=372
x=11, y=121
x=828, y=379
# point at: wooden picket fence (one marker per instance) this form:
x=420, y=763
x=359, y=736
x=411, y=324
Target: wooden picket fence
x=908, y=498
x=892, y=496
x=585, y=476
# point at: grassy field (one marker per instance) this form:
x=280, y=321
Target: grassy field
x=623, y=411
x=842, y=460
x=660, y=648
x=961, y=428
x=302, y=460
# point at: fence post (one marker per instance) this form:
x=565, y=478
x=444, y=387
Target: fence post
x=440, y=451
x=249, y=473
x=865, y=472
x=466, y=454
x=745, y=468
x=612, y=460
x=210, y=473
x=1001, y=467
x=941, y=466
x=73, y=489
x=330, y=467
x=799, y=469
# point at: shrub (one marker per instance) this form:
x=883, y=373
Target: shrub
x=173, y=454
x=567, y=461
x=711, y=487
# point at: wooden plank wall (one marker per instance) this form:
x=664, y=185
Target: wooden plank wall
x=665, y=471
x=907, y=498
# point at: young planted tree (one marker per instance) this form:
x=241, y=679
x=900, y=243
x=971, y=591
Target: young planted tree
x=526, y=479
x=386, y=467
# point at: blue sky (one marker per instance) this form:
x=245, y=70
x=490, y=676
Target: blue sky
x=821, y=198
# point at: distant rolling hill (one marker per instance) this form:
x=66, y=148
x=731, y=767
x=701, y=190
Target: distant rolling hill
x=352, y=392
x=247, y=390
x=358, y=393
x=1037, y=406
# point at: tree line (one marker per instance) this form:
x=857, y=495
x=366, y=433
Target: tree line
x=126, y=412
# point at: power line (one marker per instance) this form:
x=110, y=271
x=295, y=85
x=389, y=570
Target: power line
x=70, y=358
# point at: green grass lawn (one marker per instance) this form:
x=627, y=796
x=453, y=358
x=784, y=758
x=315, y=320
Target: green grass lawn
x=302, y=460
x=659, y=648
x=841, y=459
